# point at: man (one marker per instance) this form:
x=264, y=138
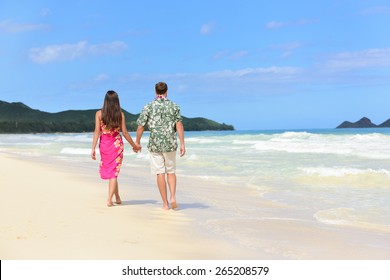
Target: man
x=163, y=118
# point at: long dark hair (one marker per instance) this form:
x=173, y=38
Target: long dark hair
x=111, y=111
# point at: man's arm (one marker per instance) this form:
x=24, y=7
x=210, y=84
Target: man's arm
x=180, y=133
x=140, y=131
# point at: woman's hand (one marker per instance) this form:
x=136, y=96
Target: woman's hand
x=93, y=154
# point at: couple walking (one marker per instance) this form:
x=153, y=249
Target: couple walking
x=163, y=119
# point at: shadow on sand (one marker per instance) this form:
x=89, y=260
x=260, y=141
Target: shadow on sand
x=182, y=206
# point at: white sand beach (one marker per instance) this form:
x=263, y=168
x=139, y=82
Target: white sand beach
x=52, y=211
x=49, y=212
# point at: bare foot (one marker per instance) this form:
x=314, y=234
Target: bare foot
x=173, y=205
x=118, y=200
x=109, y=203
x=166, y=207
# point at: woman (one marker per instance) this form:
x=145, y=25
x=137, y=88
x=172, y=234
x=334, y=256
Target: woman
x=109, y=122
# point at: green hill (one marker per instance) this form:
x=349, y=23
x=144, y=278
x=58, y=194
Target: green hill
x=19, y=118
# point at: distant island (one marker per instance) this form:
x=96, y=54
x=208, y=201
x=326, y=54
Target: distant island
x=17, y=117
x=363, y=123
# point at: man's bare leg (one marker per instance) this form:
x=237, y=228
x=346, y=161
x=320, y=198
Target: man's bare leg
x=162, y=187
x=172, y=189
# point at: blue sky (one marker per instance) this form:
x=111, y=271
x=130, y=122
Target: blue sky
x=254, y=64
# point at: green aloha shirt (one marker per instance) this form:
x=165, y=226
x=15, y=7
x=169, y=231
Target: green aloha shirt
x=161, y=116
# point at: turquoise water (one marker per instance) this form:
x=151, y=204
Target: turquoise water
x=343, y=176
x=340, y=176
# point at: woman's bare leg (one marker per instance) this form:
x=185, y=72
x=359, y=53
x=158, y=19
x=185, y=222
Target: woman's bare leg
x=112, y=186
x=117, y=197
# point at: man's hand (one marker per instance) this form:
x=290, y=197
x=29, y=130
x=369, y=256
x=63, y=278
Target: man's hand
x=182, y=150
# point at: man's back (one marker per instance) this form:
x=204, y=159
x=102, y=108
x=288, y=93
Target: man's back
x=161, y=116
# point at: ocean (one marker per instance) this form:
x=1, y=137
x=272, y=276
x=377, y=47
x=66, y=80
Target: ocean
x=338, y=178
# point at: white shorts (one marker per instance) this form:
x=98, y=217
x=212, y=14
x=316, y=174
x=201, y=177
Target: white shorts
x=162, y=163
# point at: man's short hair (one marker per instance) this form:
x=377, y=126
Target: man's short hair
x=161, y=88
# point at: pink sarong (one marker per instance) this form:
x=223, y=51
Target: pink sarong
x=111, y=152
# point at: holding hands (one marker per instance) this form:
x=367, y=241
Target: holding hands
x=137, y=148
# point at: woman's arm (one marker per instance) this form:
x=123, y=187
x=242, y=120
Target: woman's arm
x=96, y=133
x=126, y=134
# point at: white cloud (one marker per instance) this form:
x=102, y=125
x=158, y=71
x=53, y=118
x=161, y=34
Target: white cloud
x=101, y=78
x=287, y=49
x=291, y=46
x=58, y=52
x=108, y=48
x=275, y=24
x=45, y=12
x=280, y=24
x=230, y=55
x=268, y=73
x=8, y=26
x=238, y=55
x=379, y=10
x=220, y=54
x=68, y=52
x=206, y=28
x=94, y=83
x=359, y=59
